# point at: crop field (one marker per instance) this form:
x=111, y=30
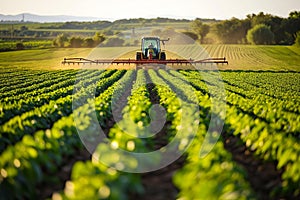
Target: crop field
x=241, y=57
x=249, y=111
x=4, y=46
x=258, y=57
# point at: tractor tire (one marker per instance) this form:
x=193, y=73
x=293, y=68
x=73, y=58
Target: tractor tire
x=138, y=56
x=162, y=56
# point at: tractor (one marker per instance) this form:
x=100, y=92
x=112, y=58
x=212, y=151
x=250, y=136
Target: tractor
x=151, y=49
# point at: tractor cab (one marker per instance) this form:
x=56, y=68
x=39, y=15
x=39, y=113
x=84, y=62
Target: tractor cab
x=150, y=49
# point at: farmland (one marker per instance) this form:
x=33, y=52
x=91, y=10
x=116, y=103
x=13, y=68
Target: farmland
x=47, y=114
x=242, y=57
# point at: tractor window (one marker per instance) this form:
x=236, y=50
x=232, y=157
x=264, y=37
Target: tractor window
x=150, y=43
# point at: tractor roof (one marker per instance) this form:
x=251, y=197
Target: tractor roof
x=151, y=37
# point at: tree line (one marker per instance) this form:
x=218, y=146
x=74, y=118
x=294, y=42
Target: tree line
x=64, y=40
x=254, y=29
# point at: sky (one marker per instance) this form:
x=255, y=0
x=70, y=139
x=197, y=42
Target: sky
x=121, y=9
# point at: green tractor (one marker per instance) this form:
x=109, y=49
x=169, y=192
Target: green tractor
x=151, y=49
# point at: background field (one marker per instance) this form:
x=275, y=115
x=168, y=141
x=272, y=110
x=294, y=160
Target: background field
x=240, y=57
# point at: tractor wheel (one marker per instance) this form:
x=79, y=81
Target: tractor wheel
x=138, y=56
x=162, y=56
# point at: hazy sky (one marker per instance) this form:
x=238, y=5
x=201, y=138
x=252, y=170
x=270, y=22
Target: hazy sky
x=117, y=9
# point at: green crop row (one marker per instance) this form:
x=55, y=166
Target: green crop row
x=9, y=46
x=263, y=138
x=269, y=85
x=35, y=159
x=272, y=111
x=30, y=102
x=43, y=117
x=224, y=168
x=50, y=84
x=215, y=176
x=23, y=78
x=47, y=82
x=289, y=106
x=46, y=121
x=125, y=135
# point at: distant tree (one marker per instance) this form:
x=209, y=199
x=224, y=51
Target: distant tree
x=98, y=38
x=200, y=29
x=275, y=23
x=297, y=40
x=294, y=15
x=89, y=42
x=260, y=18
x=20, y=46
x=260, y=34
x=232, y=31
x=76, y=42
x=293, y=24
x=61, y=40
